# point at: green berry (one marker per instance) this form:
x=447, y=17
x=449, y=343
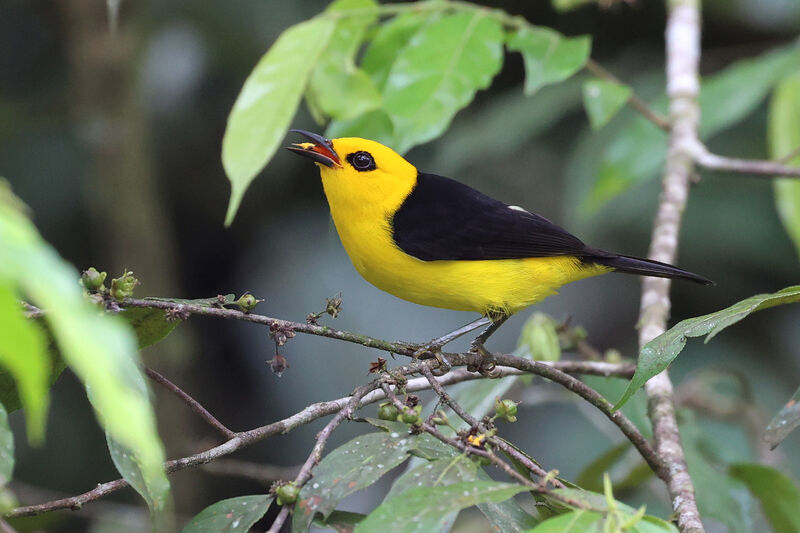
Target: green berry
x=247, y=302
x=410, y=415
x=387, y=411
x=506, y=409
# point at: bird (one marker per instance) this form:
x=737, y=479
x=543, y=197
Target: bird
x=438, y=242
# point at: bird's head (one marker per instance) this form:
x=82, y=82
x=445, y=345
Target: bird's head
x=358, y=171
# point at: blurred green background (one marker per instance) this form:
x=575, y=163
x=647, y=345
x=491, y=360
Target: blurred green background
x=113, y=140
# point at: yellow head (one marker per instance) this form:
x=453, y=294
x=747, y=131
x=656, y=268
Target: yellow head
x=359, y=175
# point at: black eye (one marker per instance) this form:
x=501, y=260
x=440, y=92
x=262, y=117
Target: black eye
x=361, y=161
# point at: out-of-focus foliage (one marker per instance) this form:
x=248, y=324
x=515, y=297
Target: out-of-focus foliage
x=234, y=515
x=98, y=348
x=784, y=141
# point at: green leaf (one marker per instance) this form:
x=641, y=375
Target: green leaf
x=99, y=348
x=375, y=125
x=421, y=509
x=351, y=467
x=569, y=5
x=778, y=494
x=784, y=138
x=340, y=521
x=150, y=325
x=657, y=354
x=786, y=421
x=23, y=352
x=234, y=515
x=571, y=522
x=267, y=102
x=153, y=489
x=388, y=41
x=6, y=448
x=591, y=478
x=507, y=516
x=435, y=473
x=539, y=338
x=637, y=151
x=214, y=301
x=549, y=56
x=337, y=87
x=438, y=73
x=603, y=99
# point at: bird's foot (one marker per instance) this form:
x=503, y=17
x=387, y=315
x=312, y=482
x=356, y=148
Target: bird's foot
x=487, y=366
x=434, y=350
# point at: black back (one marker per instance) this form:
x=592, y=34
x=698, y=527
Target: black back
x=442, y=219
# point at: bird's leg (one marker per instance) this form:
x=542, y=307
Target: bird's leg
x=488, y=365
x=434, y=346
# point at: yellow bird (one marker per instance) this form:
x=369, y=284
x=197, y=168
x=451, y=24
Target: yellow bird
x=434, y=241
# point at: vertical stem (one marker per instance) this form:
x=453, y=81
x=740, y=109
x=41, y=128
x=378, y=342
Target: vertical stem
x=683, y=90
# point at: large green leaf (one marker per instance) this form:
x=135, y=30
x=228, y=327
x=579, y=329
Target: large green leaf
x=267, y=103
x=637, y=151
x=340, y=521
x=603, y=99
x=549, y=56
x=389, y=40
x=784, y=138
x=23, y=352
x=99, y=348
x=150, y=325
x=657, y=354
x=539, y=338
x=591, y=522
x=154, y=490
x=778, y=494
x=6, y=448
x=422, y=509
x=591, y=477
x=337, y=87
x=234, y=515
x=351, y=467
x=435, y=473
x=507, y=516
x=438, y=73
x=784, y=422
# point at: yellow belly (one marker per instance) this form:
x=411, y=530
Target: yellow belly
x=506, y=285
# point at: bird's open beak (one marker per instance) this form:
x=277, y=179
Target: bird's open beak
x=320, y=149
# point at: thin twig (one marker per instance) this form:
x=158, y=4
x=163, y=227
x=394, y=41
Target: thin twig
x=683, y=90
x=191, y=402
x=322, y=439
x=758, y=167
x=261, y=473
x=627, y=427
x=634, y=101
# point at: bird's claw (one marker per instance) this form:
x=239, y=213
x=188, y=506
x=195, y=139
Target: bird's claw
x=487, y=366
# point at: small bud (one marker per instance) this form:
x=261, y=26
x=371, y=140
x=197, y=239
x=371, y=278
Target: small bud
x=410, y=415
x=93, y=280
x=440, y=418
x=122, y=287
x=280, y=333
x=387, y=411
x=286, y=492
x=333, y=306
x=506, y=409
x=247, y=302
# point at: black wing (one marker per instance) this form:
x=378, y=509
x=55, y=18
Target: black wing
x=444, y=219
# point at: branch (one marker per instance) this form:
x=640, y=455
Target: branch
x=634, y=101
x=191, y=402
x=683, y=90
x=656, y=462
x=261, y=473
x=769, y=169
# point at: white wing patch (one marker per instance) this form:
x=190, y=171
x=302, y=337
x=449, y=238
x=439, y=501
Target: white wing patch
x=518, y=208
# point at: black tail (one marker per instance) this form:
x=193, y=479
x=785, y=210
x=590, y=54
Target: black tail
x=646, y=267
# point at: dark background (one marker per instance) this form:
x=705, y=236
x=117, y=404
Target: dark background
x=114, y=140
